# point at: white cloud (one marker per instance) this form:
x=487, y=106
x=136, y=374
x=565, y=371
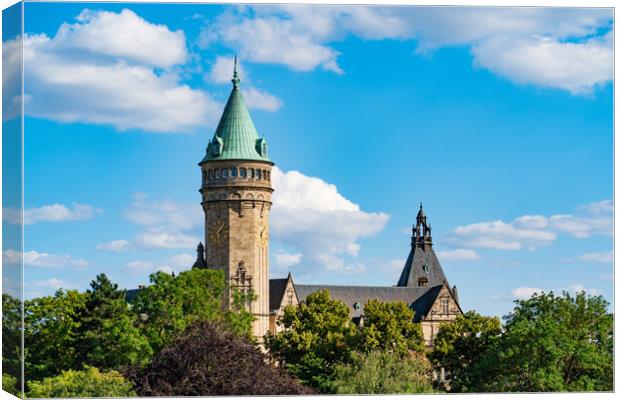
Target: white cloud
x=167, y=213
x=458, y=255
x=541, y=46
x=114, y=245
x=547, y=62
x=51, y=213
x=261, y=100
x=605, y=257
x=174, y=264
x=524, y=293
x=52, y=283
x=285, y=260
x=11, y=78
x=271, y=39
x=140, y=267
x=35, y=259
x=533, y=231
x=123, y=35
x=311, y=216
x=166, y=240
x=221, y=72
x=114, y=69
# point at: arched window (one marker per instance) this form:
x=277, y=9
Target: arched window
x=422, y=282
x=233, y=172
x=258, y=174
x=251, y=174
x=218, y=173
x=242, y=172
x=225, y=173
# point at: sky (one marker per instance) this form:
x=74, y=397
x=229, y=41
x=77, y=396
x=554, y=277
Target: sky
x=499, y=120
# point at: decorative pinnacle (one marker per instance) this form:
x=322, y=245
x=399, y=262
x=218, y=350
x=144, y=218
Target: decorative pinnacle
x=235, y=79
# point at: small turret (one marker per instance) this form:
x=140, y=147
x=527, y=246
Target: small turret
x=200, y=257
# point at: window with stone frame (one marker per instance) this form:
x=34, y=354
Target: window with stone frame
x=445, y=305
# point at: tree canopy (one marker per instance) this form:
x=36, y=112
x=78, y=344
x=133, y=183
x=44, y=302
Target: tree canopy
x=89, y=382
x=318, y=333
x=382, y=372
x=207, y=360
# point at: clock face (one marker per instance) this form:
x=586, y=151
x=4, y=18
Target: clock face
x=263, y=233
x=217, y=235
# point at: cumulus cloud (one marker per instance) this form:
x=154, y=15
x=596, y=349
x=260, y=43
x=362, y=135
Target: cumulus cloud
x=605, y=257
x=115, y=69
x=51, y=213
x=284, y=260
x=114, y=245
x=11, y=78
x=560, y=48
x=311, y=216
x=166, y=240
x=164, y=213
x=525, y=292
x=174, y=264
x=458, y=255
x=548, y=62
x=221, y=72
x=52, y=283
x=36, y=259
x=533, y=231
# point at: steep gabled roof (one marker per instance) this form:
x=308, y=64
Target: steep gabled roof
x=276, y=292
x=236, y=137
x=355, y=297
x=422, y=262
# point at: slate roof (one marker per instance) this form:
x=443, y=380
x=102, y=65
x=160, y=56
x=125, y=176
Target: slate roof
x=235, y=133
x=420, y=299
x=414, y=267
x=276, y=292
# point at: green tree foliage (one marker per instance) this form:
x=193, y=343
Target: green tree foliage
x=51, y=330
x=107, y=337
x=460, y=346
x=382, y=372
x=9, y=384
x=170, y=304
x=389, y=327
x=318, y=334
x=89, y=382
x=11, y=338
x=206, y=360
x=555, y=343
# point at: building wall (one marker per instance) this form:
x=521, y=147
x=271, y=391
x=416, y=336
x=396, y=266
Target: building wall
x=237, y=227
x=444, y=310
x=288, y=299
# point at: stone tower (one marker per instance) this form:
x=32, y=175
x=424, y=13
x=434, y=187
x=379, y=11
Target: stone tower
x=422, y=268
x=236, y=199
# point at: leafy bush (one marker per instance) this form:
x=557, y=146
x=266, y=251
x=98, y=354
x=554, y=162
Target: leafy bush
x=87, y=383
x=381, y=372
x=206, y=360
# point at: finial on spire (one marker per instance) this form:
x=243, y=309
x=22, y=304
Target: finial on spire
x=420, y=205
x=235, y=79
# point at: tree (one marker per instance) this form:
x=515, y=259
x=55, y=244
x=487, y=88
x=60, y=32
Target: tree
x=107, y=337
x=51, y=331
x=382, y=372
x=389, y=326
x=87, y=383
x=170, y=304
x=9, y=384
x=11, y=339
x=555, y=343
x=206, y=360
x=461, y=345
x=318, y=333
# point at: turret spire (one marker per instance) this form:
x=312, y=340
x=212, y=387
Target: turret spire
x=235, y=79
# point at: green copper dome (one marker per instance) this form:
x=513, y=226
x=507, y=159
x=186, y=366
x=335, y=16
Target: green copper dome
x=235, y=137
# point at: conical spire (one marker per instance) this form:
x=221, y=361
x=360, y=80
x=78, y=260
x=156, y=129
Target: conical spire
x=236, y=137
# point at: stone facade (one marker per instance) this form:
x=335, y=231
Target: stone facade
x=236, y=199
x=444, y=310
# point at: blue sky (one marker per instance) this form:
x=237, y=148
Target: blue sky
x=498, y=120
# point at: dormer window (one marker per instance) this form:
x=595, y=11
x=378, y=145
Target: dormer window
x=423, y=282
